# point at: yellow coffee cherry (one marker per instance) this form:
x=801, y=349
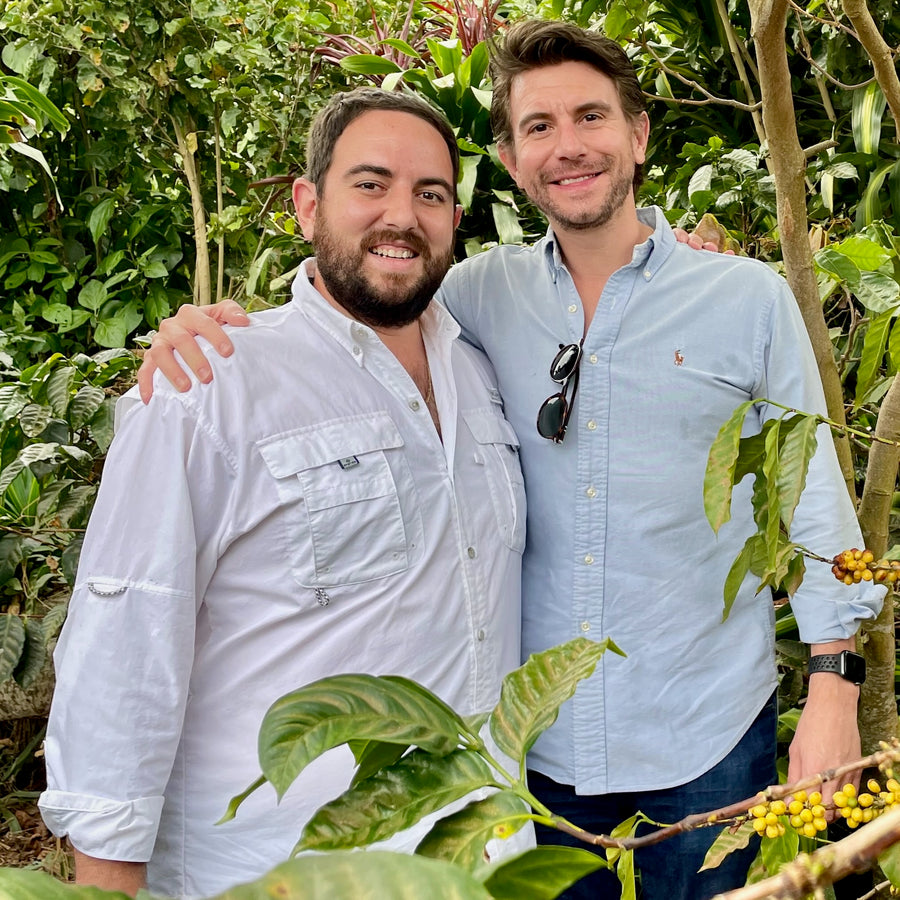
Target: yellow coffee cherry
x=856, y=814
x=809, y=830
x=865, y=800
x=814, y=798
x=759, y=825
x=818, y=811
x=852, y=823
x=846, y=811
x=772, y=831
x=873, y=786
x=839, y=799
x=771, y=819
x=795, y=807
x=778, y=807
x=806, y=815
x=820, y=824
x=893, y=785
x=800, y=796
x=850, y=790
x=868, y=814
x=759, y=811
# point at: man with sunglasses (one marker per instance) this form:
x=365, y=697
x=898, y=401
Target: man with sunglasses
x=347, y=498
x=650, y=348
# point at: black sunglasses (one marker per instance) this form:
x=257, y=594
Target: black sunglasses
x=553, y=416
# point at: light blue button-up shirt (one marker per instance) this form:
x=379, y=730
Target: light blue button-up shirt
x=618, y=544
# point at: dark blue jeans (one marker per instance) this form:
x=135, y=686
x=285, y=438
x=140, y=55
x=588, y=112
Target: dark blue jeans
x=669, y=869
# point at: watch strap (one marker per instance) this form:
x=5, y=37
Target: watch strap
x=825, y=662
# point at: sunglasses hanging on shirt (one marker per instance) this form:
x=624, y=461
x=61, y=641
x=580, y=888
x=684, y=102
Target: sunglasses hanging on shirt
x=553, y=416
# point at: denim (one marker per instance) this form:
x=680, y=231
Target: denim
x=668, y=870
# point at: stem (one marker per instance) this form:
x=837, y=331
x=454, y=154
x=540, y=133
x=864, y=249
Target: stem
x=220, y=206
x=202, y=293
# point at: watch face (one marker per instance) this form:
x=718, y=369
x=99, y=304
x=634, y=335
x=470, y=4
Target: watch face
x=854, y=667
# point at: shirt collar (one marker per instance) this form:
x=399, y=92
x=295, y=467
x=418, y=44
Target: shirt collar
x=650, y=254
x=436, y=323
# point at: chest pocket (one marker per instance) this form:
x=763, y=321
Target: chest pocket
x=497, y=449
x=352, y=506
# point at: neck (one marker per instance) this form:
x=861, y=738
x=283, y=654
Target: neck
x=592, y=256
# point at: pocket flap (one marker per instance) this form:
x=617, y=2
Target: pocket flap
x=489, y=428
x=327, y=442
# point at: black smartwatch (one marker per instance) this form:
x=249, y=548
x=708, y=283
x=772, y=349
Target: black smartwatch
x=847, y=664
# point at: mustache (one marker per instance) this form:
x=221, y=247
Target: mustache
x=411, y=239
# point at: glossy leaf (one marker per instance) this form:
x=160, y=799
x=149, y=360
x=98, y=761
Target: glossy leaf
x=872, y=355
x=371, y=756
x=797, y=449
x=461, y=837
x=867, y=113
x=394, y=799
x=368, y=64
x=768, y=511
x=889, y=861
x=776, y=852
x=532, y=694
x=59, y=389
x=728, y=841
x=87, y=400
x=32, y=884
x=720, y=468
x=12, y=640
x=541, y=873
x=304, y=724
x=506, y=221
x=345, y=874
x=738, y=572
x=34, y=655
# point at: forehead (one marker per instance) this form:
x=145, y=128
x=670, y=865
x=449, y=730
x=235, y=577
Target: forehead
x=398, y=141
x=567, y=85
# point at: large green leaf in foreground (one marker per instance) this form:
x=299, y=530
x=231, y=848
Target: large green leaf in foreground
x=541, y=873
x=532, y=695
x=302, y=725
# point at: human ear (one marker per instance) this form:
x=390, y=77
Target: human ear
x=305, y=199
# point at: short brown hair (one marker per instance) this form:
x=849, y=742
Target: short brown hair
x=334, y=118
x=535, y=43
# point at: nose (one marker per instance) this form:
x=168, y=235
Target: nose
x=569, y=143
x=399, y=210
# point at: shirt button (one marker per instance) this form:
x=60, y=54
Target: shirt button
x=589, y=560
x=585, y=626
x=592, y=359
x=471, y=552
x=480, y=634
x=414, y=405
x=356, y=350
x=573, y=308
x=592, y=425
x=647, y=274
x=591, y=492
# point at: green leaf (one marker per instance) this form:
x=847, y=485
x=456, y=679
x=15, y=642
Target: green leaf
x=720, y=468
x=738, y=572
x=102, y=424
x=866, y=116
x=12, y=552
x=53, y=620
x=867, y=255
x=870, y=207
x=368, y=64
x=111, y=332
x=304, y=724
x=532, y=694
x=468, y=175
x=779, y=851
x=889, y=860
x=460, y=838
x=394, y=799
x=12, y=641
x=878, y=292
x=34, y=418
x=797, y=449
x=728, y=841
x=59, y=386
x=32, y=884
x=872, y=355
x=506, y=221
x=832, y=261
x=99, y=218
x=29, y=93
x=767, y=510
x=32, y=661
x=625, y=874
x=93, y=295
x=541, y=873
x=371, y=756
x=84, y=405
x=328, y=876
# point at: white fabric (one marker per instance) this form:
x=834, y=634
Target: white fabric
x=311, y=462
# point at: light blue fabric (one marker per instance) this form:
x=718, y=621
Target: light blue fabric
x=618, y=544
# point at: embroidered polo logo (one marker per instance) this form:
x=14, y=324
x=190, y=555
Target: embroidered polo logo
x=679, y=359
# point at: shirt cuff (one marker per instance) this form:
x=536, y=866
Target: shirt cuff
x=106, y=829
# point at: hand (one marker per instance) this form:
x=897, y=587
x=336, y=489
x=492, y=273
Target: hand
x=179, y=333
x=708, y=235
x=827, y=735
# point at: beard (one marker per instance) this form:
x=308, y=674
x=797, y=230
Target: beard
x=400, y=300
x=620, y=185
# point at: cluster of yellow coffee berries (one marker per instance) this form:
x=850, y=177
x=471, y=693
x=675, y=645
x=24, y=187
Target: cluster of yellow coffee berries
x=806, y=815
x=858, y=809
x=859, y=565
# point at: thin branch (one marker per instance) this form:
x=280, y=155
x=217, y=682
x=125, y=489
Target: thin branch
x=834, y=22
x=820, y=84
x=816, y=149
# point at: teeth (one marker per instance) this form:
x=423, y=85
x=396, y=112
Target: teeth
x=575, y=180
x=393, y=252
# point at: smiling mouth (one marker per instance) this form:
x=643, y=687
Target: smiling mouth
x=575, y=179
x=393, y=252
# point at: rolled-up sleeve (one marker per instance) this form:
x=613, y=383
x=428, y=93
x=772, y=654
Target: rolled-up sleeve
x=825, y=521
x=123, y=662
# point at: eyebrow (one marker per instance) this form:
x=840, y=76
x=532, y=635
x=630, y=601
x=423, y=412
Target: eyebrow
x=383, y=172
x=591, y=106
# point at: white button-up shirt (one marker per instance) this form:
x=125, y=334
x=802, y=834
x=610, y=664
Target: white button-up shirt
x=299, y=517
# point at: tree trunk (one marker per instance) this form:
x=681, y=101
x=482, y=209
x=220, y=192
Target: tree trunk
x=788, y=166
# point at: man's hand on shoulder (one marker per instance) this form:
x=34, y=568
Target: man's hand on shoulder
x=708, y=235
x=180, y=332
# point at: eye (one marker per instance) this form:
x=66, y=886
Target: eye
x=433, y=197
x=539, y=128
x=593, y=117
x=370, y=186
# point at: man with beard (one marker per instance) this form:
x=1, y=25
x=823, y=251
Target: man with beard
x=630, y=351
x=323, y=509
